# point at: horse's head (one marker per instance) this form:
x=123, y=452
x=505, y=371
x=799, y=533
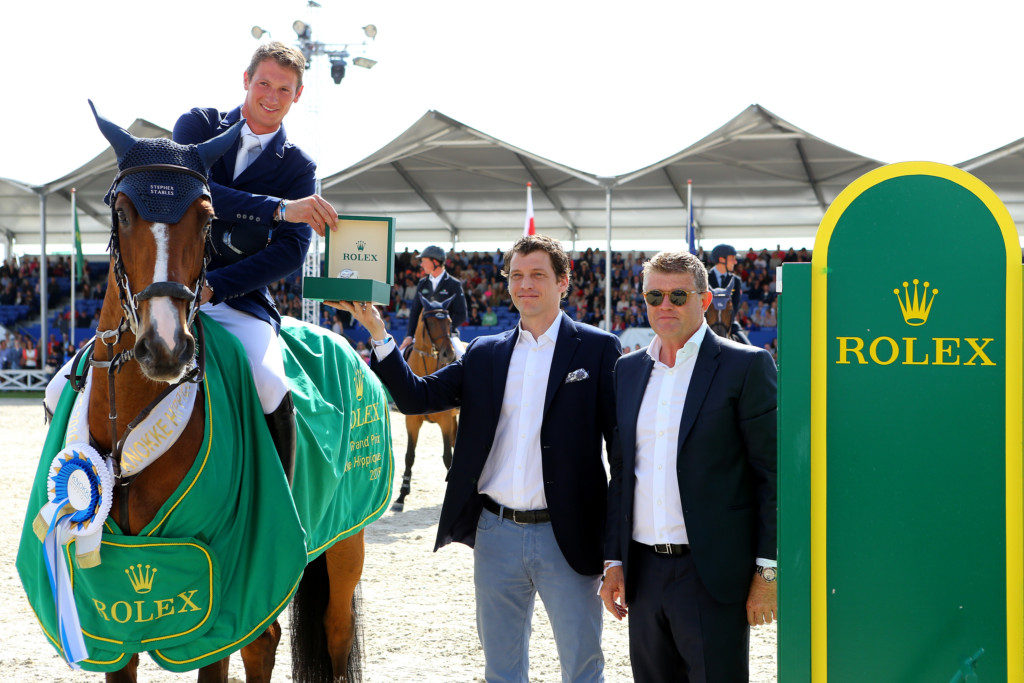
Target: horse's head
x=437, y=325
x=720, y=314
x=160, y=220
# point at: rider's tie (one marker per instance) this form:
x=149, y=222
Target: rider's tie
x=247, y=152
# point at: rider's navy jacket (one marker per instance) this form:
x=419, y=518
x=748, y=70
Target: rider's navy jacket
x=245, y=214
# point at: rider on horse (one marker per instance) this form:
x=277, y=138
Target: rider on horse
x=720, y=276
x=437, y=285
x=264, y=195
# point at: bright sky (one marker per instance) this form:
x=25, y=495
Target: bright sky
x=607, y=87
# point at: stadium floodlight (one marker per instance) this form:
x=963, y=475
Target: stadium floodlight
x=258, y=32
x=364, y=62
x=301, y=28
x=370, y=30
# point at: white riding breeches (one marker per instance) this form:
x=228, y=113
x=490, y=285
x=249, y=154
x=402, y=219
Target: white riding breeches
x=262, y=349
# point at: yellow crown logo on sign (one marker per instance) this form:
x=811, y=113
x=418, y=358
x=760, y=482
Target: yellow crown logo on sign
x=141, y=579
x=915, y=308
x=359, y=385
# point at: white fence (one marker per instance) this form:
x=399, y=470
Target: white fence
x=24, y=380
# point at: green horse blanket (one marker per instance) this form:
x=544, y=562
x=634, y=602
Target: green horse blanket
x=223, y=556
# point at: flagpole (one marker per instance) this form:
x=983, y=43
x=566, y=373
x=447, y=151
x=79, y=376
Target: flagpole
x=691, y=238
x=74, y=263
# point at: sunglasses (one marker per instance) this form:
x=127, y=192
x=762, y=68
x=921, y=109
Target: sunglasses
x=677, y=297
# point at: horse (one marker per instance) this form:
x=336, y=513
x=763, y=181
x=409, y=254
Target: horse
x=720, y=315
x=432, y=349
x=149, y=343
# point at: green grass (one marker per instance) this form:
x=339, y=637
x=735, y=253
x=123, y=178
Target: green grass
x=22, y=394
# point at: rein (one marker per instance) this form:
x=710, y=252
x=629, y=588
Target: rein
x=129, y=322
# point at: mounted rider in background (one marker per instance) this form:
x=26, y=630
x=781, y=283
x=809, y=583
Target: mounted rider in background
x=437, y=285
x=720, y=276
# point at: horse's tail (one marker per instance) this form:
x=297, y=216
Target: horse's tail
x=311, y=661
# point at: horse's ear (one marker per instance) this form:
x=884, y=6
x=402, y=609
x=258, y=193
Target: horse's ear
x=120, y=139
x=424, y=302
x=446, y=302
x=214, y=148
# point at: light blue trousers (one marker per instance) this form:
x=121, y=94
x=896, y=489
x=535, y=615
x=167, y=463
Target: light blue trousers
x=511, y=564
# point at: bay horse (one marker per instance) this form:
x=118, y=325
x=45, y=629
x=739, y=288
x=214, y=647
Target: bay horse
x=149, y=340
x=432, y=349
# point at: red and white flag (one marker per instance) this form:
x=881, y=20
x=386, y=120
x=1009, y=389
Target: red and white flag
x=529, y=227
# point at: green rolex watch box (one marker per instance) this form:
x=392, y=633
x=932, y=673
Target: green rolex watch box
x=359, y=262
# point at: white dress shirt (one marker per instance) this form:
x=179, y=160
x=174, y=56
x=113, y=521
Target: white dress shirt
x=513, y=474
x=242, y=159
x=435, y=280
x=657, y=508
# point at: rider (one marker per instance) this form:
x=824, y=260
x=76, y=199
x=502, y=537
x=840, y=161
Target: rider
x=723, y=259
x=264, y=195
x=437, y=285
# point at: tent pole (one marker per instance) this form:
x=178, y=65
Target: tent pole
x=43, y=296
x=608, y=260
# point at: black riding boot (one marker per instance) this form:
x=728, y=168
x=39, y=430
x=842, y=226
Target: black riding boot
x=282, y=429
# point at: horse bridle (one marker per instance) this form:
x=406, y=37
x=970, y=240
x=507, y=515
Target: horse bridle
x=130, y=322
x=434, y=351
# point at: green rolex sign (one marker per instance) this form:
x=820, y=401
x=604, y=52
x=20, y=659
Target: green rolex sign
x=901, y=361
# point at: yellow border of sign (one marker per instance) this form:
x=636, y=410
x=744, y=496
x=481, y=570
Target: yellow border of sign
x=1014, y=408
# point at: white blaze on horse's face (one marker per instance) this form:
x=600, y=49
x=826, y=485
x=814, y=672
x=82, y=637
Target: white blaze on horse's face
x=162, y=314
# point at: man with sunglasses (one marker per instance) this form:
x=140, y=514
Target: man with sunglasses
x=690, y=541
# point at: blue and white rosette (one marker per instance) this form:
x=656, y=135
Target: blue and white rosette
x=80, y=487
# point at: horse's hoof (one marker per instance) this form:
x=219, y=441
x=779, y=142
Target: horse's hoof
x=398, y=507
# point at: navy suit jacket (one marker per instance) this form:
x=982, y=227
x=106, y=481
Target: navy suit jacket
x=576, y=417
x=725, y=463
x=447, y=286
x=245, y=207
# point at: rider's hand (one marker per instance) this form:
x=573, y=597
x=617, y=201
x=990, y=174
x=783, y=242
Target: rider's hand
x=366, y=313
x=314, y=210
x=405, y=342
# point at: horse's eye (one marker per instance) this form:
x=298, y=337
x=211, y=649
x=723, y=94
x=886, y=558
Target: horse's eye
x=122, y=217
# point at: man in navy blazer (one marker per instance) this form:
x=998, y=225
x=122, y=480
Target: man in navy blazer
x=264, y=196
x=691, y=542
x=527, y=485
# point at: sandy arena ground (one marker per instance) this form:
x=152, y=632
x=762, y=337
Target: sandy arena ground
x=418, y=613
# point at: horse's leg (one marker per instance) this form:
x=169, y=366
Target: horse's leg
x=258, y=656
x=215, y=673
x=344, y=567
x=127, y=674
x=412, y=429
x=449, y=428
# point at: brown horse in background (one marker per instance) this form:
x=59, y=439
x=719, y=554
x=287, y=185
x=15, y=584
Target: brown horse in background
x=432, y=349
x=720, y=315
x=148, y=336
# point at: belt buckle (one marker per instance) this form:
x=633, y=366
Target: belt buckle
x=663, y=548
x=515, y=517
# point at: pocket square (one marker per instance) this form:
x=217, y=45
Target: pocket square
x=576, y=376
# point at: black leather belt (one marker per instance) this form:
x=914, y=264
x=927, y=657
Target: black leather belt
x=669, y=548
x=517, y=516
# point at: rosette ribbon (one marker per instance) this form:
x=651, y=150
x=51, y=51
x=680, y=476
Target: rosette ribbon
x=80, y=491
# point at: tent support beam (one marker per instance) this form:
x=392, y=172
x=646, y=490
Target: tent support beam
x=427, y=199
x=555, y=202
x=682, y=198
x=810, y=176
x=608, y=259
x=101, y=218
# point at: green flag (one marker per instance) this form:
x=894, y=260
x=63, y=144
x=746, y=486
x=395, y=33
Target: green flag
x=77, y=253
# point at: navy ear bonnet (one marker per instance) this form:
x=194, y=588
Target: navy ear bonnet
x=161, y=195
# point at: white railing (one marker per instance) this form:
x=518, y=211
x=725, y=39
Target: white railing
x=24, y=380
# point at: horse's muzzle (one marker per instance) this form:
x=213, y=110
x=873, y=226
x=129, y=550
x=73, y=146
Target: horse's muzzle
x=160, y=362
